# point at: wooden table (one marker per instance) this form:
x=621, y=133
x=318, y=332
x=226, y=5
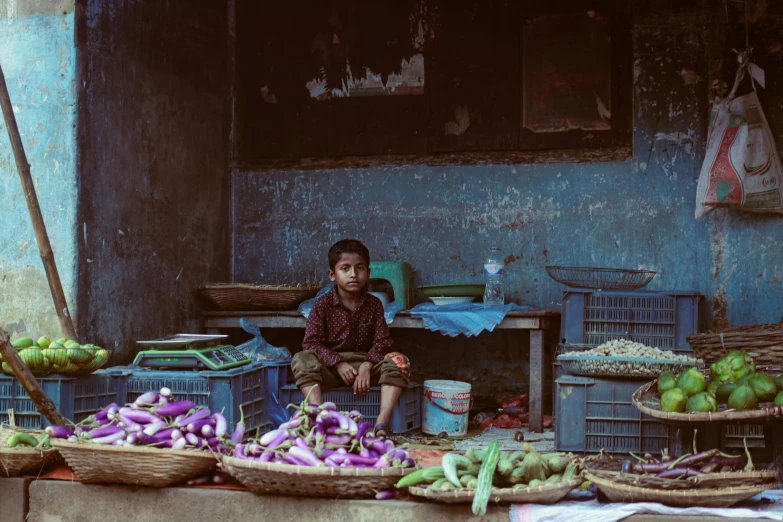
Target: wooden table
x=540, y=323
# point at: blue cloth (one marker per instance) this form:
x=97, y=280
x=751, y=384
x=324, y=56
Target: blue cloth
x=467, y=319
x=389, y=311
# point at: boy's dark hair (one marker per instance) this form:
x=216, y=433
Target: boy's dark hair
x=347, y=246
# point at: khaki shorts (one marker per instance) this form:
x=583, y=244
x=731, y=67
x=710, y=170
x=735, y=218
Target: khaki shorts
x=309, y=369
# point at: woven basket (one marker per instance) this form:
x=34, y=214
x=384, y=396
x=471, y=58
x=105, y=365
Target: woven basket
x=19, y=460
x=244, y=297
x=647, y=401
x=720, y=497
x=151, y=467
x=548, y=494
x=610, y=470
x=263, y=478
x=762, y=342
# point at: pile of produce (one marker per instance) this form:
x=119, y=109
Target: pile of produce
x=688, y=465
x=154, y=420
x=484, y=469
x=630, y=349
x=321, y=436
x=63, y=356
x=733, y=381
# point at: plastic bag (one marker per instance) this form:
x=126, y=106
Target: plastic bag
x=257, y=349
x=741, y=167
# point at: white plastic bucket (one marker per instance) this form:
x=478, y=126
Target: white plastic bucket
x=446, y=407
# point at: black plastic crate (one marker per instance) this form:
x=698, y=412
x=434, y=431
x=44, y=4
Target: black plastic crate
x=659, y=319
x=593, y=414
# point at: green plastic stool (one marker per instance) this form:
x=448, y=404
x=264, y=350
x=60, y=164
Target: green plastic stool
x=399, y=275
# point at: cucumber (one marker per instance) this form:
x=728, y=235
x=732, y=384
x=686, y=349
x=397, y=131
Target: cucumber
x=484, y=483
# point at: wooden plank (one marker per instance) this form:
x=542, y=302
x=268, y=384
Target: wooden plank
x=216, y=320
x=536, y=381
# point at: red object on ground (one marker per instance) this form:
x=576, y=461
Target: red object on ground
x=514, y=402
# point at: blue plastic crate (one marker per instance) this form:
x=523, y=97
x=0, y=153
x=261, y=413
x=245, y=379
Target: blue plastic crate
x=660, y=319
x=247, y=386
x=593, y=414
x=406, y=417
x=76, y=398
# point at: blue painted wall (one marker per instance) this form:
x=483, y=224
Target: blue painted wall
x=635, y=214
x=37, y=54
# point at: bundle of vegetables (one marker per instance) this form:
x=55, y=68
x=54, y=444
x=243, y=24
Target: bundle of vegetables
x=733, y=381
x=322, y=436
x=688, y=464
x=28, y=440
x=154, y=420
x=481, y=470
x=63, y=356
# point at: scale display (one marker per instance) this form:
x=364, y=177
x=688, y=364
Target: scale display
x=189, y=352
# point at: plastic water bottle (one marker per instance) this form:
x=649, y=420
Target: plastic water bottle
x=493, y=274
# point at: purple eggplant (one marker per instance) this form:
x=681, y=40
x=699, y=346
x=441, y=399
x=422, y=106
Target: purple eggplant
x=165, y=392
x=365, y=453
x=213, y=441
x=408, y=463
x=195, y=426
x=201, y=414
x=103, y=432
x=697, y=458
x=139, y=416
x=358, y=459
x=266, y=456
x=382, y=462
x=221, y=425
x=239, y=452
x=328, y=406
x=290, y=459
x=179, y=444
x=128, y=424
x=218, y=479
x=364, y=429
x=239, y=431
x=267, y=438
x=58, y=432
x=173, y=409
x=300, y=443
x=339, y=440
x=146, y=399
x=353, y=428
x=207, y=431
x=675, y=473
x=199, y=481
x=254, y=450
x=100, y=416
x=132, y=438
x=386, y=494
x=110, y=439
x=155, y=427
x=305, y=455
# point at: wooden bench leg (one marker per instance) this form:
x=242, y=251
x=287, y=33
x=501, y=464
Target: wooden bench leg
x=536, y=381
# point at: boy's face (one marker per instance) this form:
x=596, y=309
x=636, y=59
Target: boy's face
x=350, y=273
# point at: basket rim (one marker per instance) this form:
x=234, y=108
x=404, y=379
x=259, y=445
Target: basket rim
x=603, y=269
x=164, y=452
x=250, y=286
x=694, y=492
x=591, y=467
x=760, y=414
x=325, y=471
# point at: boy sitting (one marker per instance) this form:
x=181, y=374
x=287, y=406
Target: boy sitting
x=347, y=339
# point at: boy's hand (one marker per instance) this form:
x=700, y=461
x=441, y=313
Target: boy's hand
x=362, y=383
x=346, y=372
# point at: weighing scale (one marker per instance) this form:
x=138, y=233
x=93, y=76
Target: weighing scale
x=190, y=352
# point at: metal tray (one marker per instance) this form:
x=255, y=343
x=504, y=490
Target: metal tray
x=183, y=340
x=626, y=367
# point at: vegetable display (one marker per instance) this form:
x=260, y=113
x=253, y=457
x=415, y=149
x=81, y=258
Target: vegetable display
x=27, y=440
x=153, y=420
x=321, y=436
x=733, y=381
x=481, y=470
x=63, y=356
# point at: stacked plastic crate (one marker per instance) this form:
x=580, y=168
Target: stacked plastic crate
x=594, y=413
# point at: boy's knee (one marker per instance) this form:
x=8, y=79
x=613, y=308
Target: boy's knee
x=305, y=362
x=395, y=370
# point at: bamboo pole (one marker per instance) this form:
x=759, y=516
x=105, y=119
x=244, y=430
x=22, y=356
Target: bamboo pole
x=41, y=237
x=42, y=403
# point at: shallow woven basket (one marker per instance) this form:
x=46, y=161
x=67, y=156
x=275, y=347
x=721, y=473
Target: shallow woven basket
x=236, y=297
x=763, y=342
x=150, y=467
x=610, y=470
x=647, y=401
x=263, y=478
x=547, y=494
x=20, y=460
x=719, y=497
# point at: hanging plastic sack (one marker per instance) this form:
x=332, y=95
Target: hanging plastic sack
x=257, y=349
x=741, y=168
